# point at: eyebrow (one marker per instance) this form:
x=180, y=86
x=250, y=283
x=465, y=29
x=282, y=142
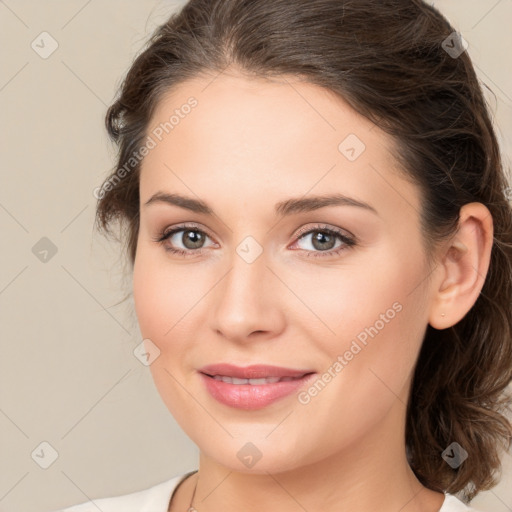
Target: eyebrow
x=283, y=208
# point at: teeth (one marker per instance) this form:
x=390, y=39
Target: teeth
x=253, y=382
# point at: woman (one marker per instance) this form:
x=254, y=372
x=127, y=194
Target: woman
x=316, y=215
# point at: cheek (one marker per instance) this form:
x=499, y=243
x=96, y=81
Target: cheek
x=162, y=294
x=150, y=305
x=368, y=361
x=356, y=299
x=371, y=321
x=161, y=303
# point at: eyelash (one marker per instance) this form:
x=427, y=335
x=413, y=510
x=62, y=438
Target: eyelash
x=348, y=242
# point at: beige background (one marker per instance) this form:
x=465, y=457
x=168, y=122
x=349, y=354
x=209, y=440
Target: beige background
x=68, y=375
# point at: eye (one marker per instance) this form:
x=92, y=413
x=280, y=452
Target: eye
x=190, y=237
x=322, y=241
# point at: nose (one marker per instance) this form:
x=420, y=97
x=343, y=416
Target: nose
x=247, y=301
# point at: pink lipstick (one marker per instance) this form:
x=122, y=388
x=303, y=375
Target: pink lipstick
x=252, y=387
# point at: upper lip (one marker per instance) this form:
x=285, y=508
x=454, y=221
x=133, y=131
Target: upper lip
x=255, y=371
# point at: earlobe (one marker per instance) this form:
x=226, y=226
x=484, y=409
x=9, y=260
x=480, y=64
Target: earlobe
x=463, y=267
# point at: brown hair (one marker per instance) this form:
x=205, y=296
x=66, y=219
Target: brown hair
x=387, y=59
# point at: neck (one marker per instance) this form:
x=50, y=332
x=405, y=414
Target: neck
x=371, y=474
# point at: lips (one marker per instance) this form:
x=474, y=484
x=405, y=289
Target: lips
x=253, y=372
x=252, y=387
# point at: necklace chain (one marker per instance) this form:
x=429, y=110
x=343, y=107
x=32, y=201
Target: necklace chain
x=191, y=508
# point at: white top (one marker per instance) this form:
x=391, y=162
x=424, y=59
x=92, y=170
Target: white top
x=157, y=498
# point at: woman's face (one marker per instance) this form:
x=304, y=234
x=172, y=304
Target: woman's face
x=262, y=281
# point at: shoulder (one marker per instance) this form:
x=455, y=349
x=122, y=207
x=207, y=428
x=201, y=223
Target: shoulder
x=152, y=499
x=453, y=504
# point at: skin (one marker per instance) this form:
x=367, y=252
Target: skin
x=249, y=144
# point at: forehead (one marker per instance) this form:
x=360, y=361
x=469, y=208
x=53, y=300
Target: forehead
x=283, y=135
x=235, y=108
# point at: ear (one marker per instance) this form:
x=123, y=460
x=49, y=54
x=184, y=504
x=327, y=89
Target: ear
x=462, y=267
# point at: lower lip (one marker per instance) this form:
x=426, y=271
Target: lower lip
x=251, y=397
